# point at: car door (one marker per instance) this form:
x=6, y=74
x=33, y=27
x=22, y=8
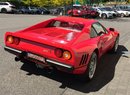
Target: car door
x=104, y=35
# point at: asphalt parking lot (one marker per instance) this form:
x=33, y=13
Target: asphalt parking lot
x=16, y=78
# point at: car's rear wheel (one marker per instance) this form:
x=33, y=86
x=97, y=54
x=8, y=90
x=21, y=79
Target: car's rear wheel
x=90, y=71
x=3, y=10
x=104, y=16
x=116, y=44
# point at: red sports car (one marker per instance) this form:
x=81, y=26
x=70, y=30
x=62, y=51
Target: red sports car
x=69, y=44
x=86, y=12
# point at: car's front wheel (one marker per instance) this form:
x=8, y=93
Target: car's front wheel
x=91, y=68
x=104, y=16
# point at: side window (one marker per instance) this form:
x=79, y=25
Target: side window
x=5, y=4
x=2, y=3
x=93, y=33
x=99, y=29
x=56, y=24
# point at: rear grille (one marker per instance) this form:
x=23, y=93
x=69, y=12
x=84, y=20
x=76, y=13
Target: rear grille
x=83, y=59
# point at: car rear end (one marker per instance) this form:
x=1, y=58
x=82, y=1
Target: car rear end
x=13, y=9
x=41, y=51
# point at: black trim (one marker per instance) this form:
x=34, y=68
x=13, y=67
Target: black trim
x=83, y=59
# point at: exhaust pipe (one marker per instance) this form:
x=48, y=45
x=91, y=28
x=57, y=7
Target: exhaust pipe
x=20, y=56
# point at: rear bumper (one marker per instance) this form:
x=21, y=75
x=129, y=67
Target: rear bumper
x=13, y=51
x=59, y=65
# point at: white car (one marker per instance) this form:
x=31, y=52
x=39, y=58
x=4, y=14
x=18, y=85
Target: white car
x=6, y=7
x=106, y=12
x=123, y=13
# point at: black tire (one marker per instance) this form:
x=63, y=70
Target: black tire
x=104, y=16
x=22, y=12
x=3, y=10
x=116, y=44
x=90, y=71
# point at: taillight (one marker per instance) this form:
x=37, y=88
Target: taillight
x=59, y=52
x=12, y=40
x=63, y=54
x=67, y=55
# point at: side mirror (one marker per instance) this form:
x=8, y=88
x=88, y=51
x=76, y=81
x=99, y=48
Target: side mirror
x=112, y=29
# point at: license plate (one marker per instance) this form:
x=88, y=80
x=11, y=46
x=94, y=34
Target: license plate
x=33, y=56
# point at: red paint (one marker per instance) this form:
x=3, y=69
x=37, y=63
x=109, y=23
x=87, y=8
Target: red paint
x=43, y=40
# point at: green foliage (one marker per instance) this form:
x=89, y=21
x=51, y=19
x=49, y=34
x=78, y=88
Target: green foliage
x=55, y=3
x=49, y=3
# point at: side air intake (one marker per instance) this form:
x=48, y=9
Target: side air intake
x=83, y=59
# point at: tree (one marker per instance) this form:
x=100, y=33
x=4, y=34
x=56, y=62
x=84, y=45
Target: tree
x=47, y=2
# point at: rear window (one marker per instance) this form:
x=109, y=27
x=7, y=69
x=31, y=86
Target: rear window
x=66, y=25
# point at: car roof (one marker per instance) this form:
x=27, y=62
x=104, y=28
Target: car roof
x=79, y=20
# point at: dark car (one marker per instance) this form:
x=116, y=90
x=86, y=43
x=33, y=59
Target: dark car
x=57, y=11
x=23, y=10
x=33, y=10
x=28, y=10
x=43, y=10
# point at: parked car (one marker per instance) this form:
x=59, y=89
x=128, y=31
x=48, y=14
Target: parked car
x=7, y=7
x=42, y=10
x=92, y=13
x=106, y=12
x=53, y=11
x=80, y=11
x=123, y=13
x=33, y=10
x=28, y=10
x=70, y=44
x=24, y=10
x=77, y=12
x=57, y=11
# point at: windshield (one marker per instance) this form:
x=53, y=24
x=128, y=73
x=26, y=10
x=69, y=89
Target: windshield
x=66, y=25
x=106, y=9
